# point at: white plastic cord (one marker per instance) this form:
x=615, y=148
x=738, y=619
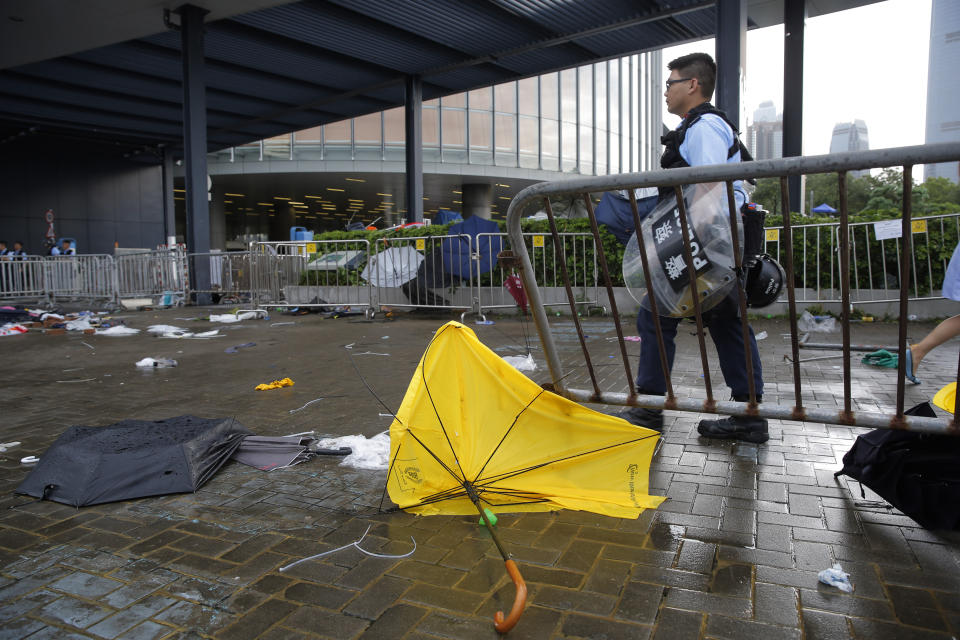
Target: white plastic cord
x=357, y=545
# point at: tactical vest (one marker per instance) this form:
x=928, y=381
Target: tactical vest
x=671, y=142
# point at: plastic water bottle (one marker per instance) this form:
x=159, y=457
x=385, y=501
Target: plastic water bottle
x=912, y=317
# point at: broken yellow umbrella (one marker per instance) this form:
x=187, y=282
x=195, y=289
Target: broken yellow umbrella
x=473, y=433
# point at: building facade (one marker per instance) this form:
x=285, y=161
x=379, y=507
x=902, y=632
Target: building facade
x=943, y=84
x=850, y=136
x=595, y=119
x=765, y=133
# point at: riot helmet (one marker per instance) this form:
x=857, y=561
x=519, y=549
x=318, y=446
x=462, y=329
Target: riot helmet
x=765, y=280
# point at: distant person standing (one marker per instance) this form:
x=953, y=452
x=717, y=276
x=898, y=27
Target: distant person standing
x=4, y=252
x=64, y=250
x=17, y=253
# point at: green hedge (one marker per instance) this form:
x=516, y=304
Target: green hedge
x=938, y=247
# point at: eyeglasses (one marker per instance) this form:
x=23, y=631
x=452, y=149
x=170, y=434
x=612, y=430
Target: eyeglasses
x=675, y=81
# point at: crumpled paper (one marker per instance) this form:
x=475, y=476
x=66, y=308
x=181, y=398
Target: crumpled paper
x=521, y=363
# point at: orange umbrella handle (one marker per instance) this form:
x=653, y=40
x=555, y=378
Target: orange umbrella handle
x=519, y=601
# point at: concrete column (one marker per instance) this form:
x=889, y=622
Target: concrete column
x=195, y=144
x=413, y=121
x=476, y=200
x=731, y=56
x=169, y=208
x=794, y=16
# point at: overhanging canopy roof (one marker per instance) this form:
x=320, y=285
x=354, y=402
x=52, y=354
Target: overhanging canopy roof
x=285, y=66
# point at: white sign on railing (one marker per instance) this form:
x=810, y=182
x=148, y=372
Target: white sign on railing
x=888, y=229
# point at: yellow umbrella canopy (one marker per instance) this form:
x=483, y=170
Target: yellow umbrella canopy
x=471, y=426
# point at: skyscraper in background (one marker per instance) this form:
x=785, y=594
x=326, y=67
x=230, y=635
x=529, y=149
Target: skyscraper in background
x=765, y=133
x=850, y=136
x=943, y=84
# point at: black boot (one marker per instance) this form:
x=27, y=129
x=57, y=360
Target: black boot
x=747, y=428
x=643, y=417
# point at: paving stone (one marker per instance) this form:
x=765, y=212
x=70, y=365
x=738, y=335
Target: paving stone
x=444, y=625
x=582, y=626
x=73, y=612
x=878, y=630
x=323, y=623
x=394, y=622
x=24, y=605
x=377, y=598
x=674, y=624
x=607, y=577
x=570, y=600
x=732, y=580
x=639, y=602
x=86, y=585
x=776, y=604
x=696, y=556
x=265, y=616
x=430, y=573
x=316, y=594
x=829, y=599
x=916, y=607
x=733, y=629
x=709, y=603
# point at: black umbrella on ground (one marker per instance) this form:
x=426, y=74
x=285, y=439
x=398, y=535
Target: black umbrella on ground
x=133, y=459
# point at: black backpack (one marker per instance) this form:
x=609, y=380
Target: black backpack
x=918, y=473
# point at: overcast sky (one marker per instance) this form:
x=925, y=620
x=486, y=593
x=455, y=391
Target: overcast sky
x=868, y=63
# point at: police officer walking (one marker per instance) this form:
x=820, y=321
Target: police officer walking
x=704, y=137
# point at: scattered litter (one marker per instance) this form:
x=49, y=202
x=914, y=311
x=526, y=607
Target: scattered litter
x=268, y=453
x=484, y=322
x=349, y=346
x=237, y=347
x=307, y=405
x=355, y=544
x=30, y=460
x=522, y=363
x=8, y=445
x=280, y=324
x=84, y=380
x=157, y=363
x=119, y=330
x=873, y=504
x=761, y=336
x=370, y=353
x=236, y=317
x=816, y=324
x=384, y=337
x=835, y=576
x=367, y=454
x=276, y=384
x=186, y=319
x=627, y=338
x=165, y=328
x=12, y=329
x=81, y=324
x=881, y=358
x=88, y=345
x=215, y=333
x=386, y=415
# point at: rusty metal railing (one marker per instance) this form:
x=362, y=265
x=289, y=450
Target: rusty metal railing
x=904, y=157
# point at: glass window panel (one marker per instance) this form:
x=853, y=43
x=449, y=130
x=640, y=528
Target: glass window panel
x=586, y=149
x=548, y=91
x=505, y=97
x=600, y=82
x=601, y=152
x=568, y=142
x=337, y=132
x=313, y=134
x=432, y=103
x=456, y=100
x=529, y=142
x=550, y=141
x=614, y=124
x=615, y=154
x=480, y=130
x=568, y=95
x=431, y=127
x=394, y=127
x=527, y=91
x=585, y=86
x=454, y=124
x=277, y=147
x=506, y=132
x=481, y=99
x=366, y=129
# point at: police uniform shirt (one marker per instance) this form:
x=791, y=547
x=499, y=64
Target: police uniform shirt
x=707, y=142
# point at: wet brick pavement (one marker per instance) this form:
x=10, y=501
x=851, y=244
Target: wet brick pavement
x=734, y=552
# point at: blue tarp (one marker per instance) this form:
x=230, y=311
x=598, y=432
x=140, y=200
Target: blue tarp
x=456, y=251
x=823, y=208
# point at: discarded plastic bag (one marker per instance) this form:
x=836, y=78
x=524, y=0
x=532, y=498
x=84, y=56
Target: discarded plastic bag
x=835, y=576
x=119, y=330
x=157, y=363
x=12, y=329
x=809, y=323
x=373, y=453
x=237, y=347
x=522, y=363
x=276, y=384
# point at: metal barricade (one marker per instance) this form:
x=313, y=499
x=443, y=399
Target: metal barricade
x=22, y=278
x=316, y=273
x=89, y=277
x=905, y=157
x=153, y=274
x=577, y=250
x=427, y=273
x=875, y=252
x=230, y=277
